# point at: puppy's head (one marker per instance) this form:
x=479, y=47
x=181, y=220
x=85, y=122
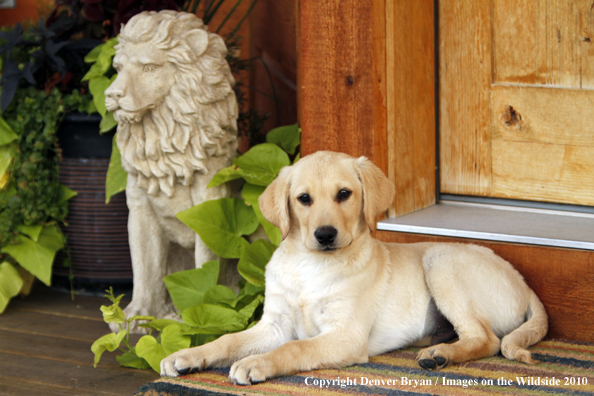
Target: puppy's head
x=327, y=199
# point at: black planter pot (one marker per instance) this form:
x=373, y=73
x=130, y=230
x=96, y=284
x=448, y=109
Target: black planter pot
x=97, y=234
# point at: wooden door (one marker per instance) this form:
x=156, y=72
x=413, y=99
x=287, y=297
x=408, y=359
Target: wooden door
x=516, y=94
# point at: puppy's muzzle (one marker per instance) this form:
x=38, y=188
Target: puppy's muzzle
x=325, y=236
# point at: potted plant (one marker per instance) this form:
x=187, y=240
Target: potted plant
x=42, y=68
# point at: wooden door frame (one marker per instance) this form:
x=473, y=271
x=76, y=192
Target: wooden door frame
x=349, y=52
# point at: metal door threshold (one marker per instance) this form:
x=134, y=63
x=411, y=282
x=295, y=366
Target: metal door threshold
x=499, y=223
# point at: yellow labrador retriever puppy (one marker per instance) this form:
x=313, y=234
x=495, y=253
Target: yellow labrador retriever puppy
x=335, y=295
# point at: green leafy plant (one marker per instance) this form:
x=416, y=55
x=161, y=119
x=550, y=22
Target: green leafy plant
x=41, y=72
x=32, y=201
x=209, y=310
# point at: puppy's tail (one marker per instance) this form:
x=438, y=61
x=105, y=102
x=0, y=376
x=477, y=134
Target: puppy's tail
x=513, y=345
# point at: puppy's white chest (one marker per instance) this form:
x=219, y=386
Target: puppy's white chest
x=310, y=304
x=309, y=296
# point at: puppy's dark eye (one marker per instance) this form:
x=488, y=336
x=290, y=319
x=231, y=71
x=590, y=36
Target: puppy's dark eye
x=305, y=199
x=343, y=195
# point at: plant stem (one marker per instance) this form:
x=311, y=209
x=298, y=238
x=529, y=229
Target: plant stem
x=231, y=11
x=242, y=19
x=213, y=12
x=195, y=6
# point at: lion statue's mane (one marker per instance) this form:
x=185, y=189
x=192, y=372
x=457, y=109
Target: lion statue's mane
x=196, y=120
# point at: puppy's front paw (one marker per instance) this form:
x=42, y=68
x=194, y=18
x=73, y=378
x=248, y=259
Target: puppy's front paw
x=182, y=362
x=251, y=370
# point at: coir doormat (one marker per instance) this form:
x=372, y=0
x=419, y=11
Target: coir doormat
x=563, y=368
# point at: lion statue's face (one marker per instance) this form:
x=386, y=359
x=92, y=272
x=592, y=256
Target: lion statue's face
x=172, y=98
x=145, y=78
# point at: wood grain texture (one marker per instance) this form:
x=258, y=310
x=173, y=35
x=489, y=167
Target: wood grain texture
x=45, y=342
x=543, y=172
x=543, y=115
x=543, y=139
x=381, y=144
x=544, y=42
x=335, y=76
x=562, y=278
x=273, y=72
x=465, y=87
x=411, y=103
x=86, y=379
x=374, y=94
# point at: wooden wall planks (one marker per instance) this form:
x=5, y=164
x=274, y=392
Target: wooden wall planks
x=366, y=86
x=335, y=76
x=562, y=278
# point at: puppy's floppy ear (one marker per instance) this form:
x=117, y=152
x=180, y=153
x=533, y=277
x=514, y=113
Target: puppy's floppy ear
x=378, y=190
x=274, y=202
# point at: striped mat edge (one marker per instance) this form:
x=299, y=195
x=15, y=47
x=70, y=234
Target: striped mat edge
x=561, y=368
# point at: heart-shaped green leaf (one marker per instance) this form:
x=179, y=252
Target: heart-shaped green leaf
x=37, y=256
x=109, y=342
x=213, y=319
x=253, y=261
x=286, y=137
x=219, y=294
x=132, y=360
x=172, y=340
x=261, y=164
x=10, y=284
x=117, y=177
x=221, y=225
x=187, y=288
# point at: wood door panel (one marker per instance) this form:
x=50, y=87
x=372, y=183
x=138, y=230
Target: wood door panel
x=543, y=172
x=545, y=42
x=517, y=99
x=543, y=115
x=542, y=144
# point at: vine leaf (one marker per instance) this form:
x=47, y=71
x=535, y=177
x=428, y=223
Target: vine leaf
x=37, y=256
x=10, y=284
x=7, y=135
x=213, y=319
x=253, y=261
x=117, y=177
x=286, y=137
x=132, y=360
x=109, y=342
x=261, y=164
x=172, y=340
x=221, y=225
x=32, y=231
x=187, y=288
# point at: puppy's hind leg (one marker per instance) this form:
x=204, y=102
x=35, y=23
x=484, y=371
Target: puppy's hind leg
x=475, y=341
x=449, y=288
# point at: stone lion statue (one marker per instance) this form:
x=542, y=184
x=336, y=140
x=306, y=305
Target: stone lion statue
x=177, y=127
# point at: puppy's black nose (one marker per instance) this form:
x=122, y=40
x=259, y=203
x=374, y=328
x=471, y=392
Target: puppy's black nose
x=325, y=235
